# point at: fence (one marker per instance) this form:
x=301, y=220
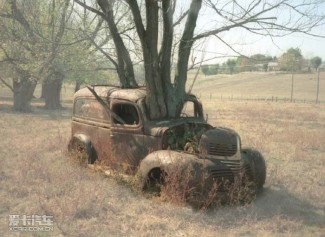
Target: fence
x=257, y=98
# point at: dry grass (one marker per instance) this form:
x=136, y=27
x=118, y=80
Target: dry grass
x=37, y=178
x=260, y=85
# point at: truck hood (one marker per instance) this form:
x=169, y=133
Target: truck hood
x=157, y=128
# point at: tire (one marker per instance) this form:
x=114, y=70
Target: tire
x=256, y=167
x=154, y=181
x=85, y=153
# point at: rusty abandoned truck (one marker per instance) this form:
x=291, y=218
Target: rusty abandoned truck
x=122, y=135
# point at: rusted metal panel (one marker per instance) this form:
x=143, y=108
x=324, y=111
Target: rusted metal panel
x=134, y=143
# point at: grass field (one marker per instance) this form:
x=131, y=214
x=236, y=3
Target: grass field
x=260, y=85
x=36, y=177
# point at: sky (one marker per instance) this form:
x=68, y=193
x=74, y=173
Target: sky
x=248, y=44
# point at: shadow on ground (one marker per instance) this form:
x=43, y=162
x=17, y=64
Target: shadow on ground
x=275, y=201
x=39, y=111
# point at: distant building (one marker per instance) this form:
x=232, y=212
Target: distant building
x=322, y=67
x=273, y=66
x=259, y=67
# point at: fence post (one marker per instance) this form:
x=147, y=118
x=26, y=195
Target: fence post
x=317, y=86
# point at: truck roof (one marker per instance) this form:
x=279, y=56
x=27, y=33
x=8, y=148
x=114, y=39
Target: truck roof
x=131, y=94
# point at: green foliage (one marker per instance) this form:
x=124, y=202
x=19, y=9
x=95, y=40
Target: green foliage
x=316, y=62
x=214, y=69
x=231, y=64
x=210, y=69
x=205, y=69
x=45, y=45
x=292, y=60
x=295, y=51
x=244, y=64
x=188, y=140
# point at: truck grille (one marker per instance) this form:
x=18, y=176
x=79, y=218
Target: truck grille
x=227, y=170
x=222, y=149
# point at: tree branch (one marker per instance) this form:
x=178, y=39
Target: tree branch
x=6, y=84
x=90, y=8
x=137, y=19
x=185, y=47
x=179, y=20
x=103, y=52
x=107, y=109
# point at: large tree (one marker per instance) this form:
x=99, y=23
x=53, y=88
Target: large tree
x=157, y=22
x=31, y=35
x=41, y=42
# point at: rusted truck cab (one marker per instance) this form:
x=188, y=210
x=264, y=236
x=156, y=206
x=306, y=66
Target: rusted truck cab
x=122, y=137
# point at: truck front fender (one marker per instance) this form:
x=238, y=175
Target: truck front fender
x=166, y=161
x=83, y=140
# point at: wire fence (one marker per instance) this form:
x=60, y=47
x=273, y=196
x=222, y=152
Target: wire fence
x=274, y=99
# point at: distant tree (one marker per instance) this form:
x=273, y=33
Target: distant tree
x=205, y=69
x=210, y=69
x=214, y=69
x=223, y=68
x=265, y=67
x=244, y=64
x=292, y=60
x=295, y=51
x=316, y=62
x=258, y=57
x=231, y=64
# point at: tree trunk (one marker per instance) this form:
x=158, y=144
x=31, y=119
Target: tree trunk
x=77, y=86
x=42, y=92
x=52, y=91
x=23, y=93
x=124, y=68
x=185, y=46
x=164, y=99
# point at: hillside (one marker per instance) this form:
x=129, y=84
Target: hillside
x=259, y=85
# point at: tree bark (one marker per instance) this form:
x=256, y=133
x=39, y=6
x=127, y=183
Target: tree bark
x=164, y=99
x=23, y=93
x=52, y=91
x=42, y=92
x=165, y=56
x=77, y=86
x=125, y=69
x=184, y=52
x=155, y=99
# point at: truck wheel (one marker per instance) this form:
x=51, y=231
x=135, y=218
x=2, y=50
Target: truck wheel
x=155, y=180
x=256, y=167
x=84, y=154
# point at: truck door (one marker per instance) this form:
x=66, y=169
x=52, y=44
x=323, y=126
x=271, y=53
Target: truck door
x=127, y=136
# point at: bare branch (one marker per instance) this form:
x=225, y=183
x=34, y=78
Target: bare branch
x=103, y=52
x=137, y=19
x=6, y=84
x=90, y=8
x=232, y=48
x=268, y=26
x=179, y=20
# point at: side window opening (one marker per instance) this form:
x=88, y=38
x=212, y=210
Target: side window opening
x=127, y=112
x=90, y=109
x=189, y=109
